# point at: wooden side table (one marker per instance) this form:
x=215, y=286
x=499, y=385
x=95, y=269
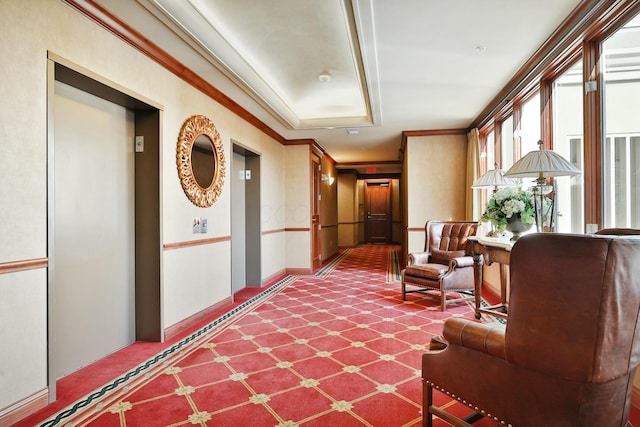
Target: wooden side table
x=487, y=250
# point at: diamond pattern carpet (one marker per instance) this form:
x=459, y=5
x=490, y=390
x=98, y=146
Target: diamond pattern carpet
x=338, y=348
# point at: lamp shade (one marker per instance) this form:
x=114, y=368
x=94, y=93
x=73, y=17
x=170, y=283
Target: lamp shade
x=494, y=178
x=542, y=164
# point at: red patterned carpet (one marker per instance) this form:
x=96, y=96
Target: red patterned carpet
x=339, y=348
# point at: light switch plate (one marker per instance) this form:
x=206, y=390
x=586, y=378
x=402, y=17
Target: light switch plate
x=139, y=144
x=196, y=226
x=203, y=225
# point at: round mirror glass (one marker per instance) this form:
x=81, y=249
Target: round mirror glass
x=203, y=161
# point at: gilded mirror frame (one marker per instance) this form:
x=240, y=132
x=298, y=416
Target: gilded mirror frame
x=192, y=128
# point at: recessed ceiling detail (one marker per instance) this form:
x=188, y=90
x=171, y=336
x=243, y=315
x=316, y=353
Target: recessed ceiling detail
x=281, y=54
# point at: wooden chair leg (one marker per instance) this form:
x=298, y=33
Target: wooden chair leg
x=427, y=401
x=403, y=286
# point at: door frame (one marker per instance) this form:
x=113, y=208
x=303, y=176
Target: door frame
x=148, y=274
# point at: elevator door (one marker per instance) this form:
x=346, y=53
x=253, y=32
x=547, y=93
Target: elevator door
x=93, y=282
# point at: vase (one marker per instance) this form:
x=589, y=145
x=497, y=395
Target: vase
x=517, y=228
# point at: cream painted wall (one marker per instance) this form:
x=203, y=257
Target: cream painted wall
x=347, y=210
x=23, y=335
x=435, y=169
x=328, y=211
x=298, y=205
x=193, y=278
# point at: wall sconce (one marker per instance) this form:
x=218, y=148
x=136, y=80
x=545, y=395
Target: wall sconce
x=326, y=178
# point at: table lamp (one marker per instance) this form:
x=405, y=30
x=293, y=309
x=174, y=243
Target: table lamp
x=542, y=164
x=494, y=178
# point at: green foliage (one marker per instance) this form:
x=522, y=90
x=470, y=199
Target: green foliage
x=509, y=205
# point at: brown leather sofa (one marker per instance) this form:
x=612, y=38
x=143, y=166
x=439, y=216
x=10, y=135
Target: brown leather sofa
x=571, y=345
x=443, y=266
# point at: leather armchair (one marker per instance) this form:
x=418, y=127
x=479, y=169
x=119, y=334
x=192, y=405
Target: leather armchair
x=444, y=266
x=571, y=345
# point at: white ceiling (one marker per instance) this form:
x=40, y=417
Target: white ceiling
x=392, y=65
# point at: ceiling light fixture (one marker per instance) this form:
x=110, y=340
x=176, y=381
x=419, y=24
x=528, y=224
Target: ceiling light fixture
x=324, y=77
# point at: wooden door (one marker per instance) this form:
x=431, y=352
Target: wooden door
x=378, y=211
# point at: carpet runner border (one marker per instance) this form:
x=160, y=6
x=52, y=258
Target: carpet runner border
x=160, y=357
x=327, y=269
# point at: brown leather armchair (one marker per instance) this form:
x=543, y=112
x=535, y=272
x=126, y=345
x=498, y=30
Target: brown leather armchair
x=444, y=266
x=571, y=345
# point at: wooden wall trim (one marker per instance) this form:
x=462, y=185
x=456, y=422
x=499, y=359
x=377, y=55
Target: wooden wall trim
x=561, y=39
x=23, y=265
x=434, y=132
x=194, y=319
x=25, y=407
x=635, y=397
x=592, y=122
x=111, y=23
x=201, y=242
x=299, y=271
x=279, y=230
x=307, y=229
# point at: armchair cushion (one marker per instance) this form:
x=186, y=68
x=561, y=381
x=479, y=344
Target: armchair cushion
x=427, y=271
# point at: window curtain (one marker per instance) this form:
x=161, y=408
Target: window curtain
x=473, y=172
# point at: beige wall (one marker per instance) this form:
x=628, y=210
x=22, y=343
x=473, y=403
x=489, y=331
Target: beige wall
x=347, y=210
x=298, y=205
x=435, y=168
x=190, y=280
x=329, y=210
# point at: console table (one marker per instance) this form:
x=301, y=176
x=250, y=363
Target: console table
x=487, y=250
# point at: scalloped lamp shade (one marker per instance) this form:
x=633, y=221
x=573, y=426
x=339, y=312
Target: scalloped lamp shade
x=542, y=163
x=494, y=178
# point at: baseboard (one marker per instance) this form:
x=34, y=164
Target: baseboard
x=635, y=397
x=276, y=277
x=299, y=271
x=486, y=287
x=194, y=319
x=25, y=407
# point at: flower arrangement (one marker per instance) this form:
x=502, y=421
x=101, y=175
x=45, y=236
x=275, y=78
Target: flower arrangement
x=508, y=205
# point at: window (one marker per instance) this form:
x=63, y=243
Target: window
x=491, y=151
x=530, y=125
x=621, y=150
x=569, y=143
x=507, y=143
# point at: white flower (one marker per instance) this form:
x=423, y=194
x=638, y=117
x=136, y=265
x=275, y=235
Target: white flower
x=511, y=207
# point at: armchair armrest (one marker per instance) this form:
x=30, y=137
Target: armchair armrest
x=418, y=258
x=463, y=261
x=485, y=337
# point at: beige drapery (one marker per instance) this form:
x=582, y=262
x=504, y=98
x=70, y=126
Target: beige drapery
x=472, y=212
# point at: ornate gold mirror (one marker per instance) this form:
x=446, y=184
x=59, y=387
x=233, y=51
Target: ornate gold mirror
x=200, y=159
